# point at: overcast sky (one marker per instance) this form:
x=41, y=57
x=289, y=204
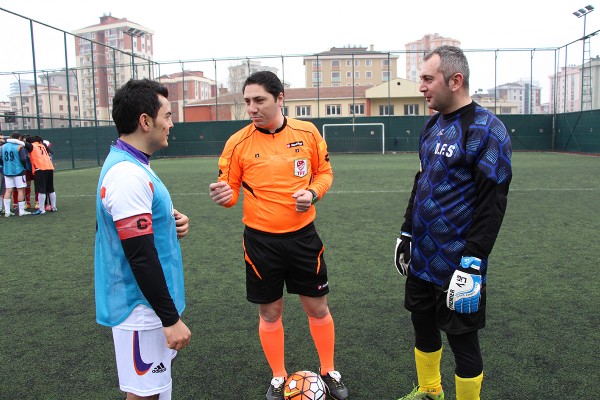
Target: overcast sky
x=193, y=30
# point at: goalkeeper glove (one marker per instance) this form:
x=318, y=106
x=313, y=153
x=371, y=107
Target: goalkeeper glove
x=403, y=252
x=464, y=287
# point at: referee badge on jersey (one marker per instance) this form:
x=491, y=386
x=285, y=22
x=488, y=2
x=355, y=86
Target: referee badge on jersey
x=300, y=167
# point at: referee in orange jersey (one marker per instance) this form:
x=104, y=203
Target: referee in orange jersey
x=283, y=166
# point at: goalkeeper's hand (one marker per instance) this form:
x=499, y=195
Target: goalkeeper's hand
x=403, y=252
x=464, y=287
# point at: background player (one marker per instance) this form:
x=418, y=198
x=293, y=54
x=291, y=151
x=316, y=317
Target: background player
x=43, y=174
x=138, y=262
x=14, y=160
x=283, y=165
x=454, y=215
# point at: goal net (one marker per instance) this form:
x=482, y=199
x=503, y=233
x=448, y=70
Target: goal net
x=355, y=138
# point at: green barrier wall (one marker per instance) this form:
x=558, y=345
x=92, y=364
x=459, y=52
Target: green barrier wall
x=573, y=132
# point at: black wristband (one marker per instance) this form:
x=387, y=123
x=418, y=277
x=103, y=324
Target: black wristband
x=315, y=197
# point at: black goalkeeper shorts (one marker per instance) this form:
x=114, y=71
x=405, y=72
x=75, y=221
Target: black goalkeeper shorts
x=294, y=259
x=427, y=298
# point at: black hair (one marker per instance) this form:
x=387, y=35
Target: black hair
x=133, y=99
x=266, y=79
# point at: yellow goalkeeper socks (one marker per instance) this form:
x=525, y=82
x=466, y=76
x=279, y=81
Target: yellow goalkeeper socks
x=468, y=388
x=428, y=370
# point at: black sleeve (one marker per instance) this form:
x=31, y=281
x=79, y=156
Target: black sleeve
x=488, y=214
x=143, y=259
x=407, y=225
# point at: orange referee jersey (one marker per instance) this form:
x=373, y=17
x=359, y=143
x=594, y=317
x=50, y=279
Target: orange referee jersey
x=273, y=166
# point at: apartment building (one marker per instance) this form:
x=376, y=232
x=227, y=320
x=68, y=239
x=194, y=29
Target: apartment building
x=108, y=54
x=566, y=88
x=398, y=97
x=416, y=50
x=49, y=108
x=349, y=66
x=238, y=73
x=6, y=122
x=526, y=94
x=187, y=86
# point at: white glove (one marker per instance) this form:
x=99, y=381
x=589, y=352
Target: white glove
x=464, y=287
x=403, y=252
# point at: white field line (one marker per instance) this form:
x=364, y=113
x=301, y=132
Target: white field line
x=59, y=194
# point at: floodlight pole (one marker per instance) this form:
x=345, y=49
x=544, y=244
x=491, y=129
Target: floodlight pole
x=583, y=12
x=133, y=32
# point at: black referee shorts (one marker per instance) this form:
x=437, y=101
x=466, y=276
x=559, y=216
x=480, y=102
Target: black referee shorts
x=294, y=259
x=426, y=298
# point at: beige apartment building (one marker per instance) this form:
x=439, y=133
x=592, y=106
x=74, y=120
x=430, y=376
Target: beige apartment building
x=398, y=97
x=52, y=108
x=323, y=102
x=102, y=69
x=349, y=66
x=415, y=51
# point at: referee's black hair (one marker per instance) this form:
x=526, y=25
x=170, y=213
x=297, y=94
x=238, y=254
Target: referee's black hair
x=133, y=99
x=266, y=79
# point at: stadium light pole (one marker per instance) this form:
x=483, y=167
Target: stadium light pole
x=583, y=12
x=133, y=32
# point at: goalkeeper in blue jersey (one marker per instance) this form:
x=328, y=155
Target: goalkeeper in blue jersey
x=452, y=220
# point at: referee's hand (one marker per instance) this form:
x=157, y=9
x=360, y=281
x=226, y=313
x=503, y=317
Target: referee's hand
x=220, y=192
x=303, y=200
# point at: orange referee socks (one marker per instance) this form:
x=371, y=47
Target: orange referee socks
x=272, y=341
x=323, y=334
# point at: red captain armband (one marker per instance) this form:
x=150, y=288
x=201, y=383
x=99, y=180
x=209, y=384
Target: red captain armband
x=138, y=225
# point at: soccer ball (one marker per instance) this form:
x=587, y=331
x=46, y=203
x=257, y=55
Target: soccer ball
x=304, y=385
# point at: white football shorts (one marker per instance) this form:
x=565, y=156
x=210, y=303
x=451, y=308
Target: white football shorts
x=18, y=182
x=143, y=362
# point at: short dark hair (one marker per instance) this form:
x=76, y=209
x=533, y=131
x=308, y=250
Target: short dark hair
x=15, y=135
x=452, y=60
x=133, y=99
x=266, y=79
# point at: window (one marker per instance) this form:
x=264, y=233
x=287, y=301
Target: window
x=386, y=110
x=333, y=109
x=356, y=74
x=317, y=76
x=335, y=64
x=336, y=76
x=411, y=109
x=317, y=64
x=368, y=74
x=385, y=76
x=356, y=109
x=60, y=107
x=385, y=63
x=349, y=74
x=284, y=110
x=357, y=63
x=348, y=63
x=302, y=111
x=368, y=63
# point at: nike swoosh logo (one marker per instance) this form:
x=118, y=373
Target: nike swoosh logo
x=289, y=394
x=138, y=364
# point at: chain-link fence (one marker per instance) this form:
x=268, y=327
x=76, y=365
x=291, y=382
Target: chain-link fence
x=62, y=83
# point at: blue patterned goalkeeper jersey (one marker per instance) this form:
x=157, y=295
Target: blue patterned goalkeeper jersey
x=460, y=192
